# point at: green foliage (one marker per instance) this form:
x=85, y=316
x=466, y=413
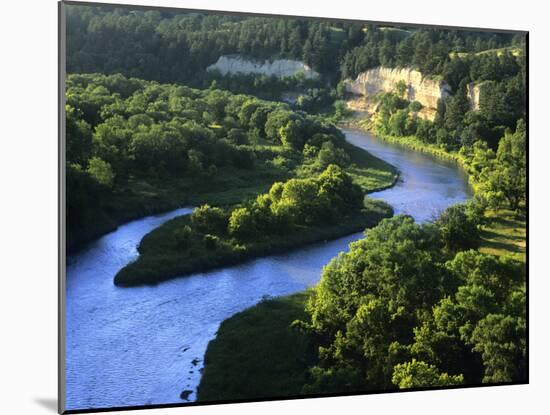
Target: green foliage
x=291, y=134
x=400, y=88
x=418, y=374
x=242, y=223
x=211, y=242
x=101, y=171
x=78, y=138
x=434, y=53
x=185, y=141
x=400, y=308
x=501, y=177
x=208, y=219
x=501, y=340
x=369, y=300
x=177, y=46
x=508, y=181
x=249, y=358
x=459, y=226
x=488, y=307
x=293, y=213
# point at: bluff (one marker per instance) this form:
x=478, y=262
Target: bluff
x=420, y=88
x=474, y=92
x=281, y=68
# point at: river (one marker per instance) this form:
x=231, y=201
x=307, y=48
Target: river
x=145, y=345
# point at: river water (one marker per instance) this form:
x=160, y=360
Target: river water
x=145, y=345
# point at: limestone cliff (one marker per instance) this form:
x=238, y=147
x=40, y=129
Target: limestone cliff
x=425, y=90
x=474, y=91
x=235, y=64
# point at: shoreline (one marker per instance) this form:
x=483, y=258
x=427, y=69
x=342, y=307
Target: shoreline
x=183, y=266
x=414, y=144
x=216, y=347
x=110, y=224
x=162, y=266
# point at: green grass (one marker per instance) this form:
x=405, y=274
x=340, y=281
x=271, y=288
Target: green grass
x=256, y=354
x=161, y=257
x=369, y=172
x=515, y=51
x=140, y=197
x=504, y=234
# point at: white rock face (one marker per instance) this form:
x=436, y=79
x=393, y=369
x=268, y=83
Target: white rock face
x=419, y=88
x=235, y=64
x=474, y=91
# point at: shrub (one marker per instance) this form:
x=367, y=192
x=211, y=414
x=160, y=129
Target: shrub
x=209, y=219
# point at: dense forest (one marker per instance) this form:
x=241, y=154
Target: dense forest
x=415, y=306
x=177, y=47
x=136, y=147
x=410, y=305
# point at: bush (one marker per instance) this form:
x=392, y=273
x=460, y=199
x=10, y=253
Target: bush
x=330, y=154
x=459, y=228
x=237, y=136
x=183, y=237
x=101, y=171
x=211, y=241
x=242, y=223
x=207, y=219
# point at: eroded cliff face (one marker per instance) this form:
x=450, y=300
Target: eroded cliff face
x=425, y=90
x=236, y=64
x=474, y=91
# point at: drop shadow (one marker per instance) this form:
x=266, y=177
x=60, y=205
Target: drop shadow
x=48, y=403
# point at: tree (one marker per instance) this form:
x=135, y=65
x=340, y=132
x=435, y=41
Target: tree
x=101, y=171
x=509, y=179
x=398, y=123
x=298, y=202
x=337, y=186
x=78, y=138
x=369, y=299
x=208, y=219
x=330, y=154
x=457, y=106
x=418, y=374
x=275, y=121
x=501, y=340
x=400, y=88
x=459, y=228
x=237, y=136
x=291, y=134
x=242, y=223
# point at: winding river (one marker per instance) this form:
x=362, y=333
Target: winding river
x=145, y=345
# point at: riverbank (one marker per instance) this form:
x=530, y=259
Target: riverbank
x=503, y=234
x=140, y=198
x=229, y=187
x=161, y=258
x=246, y=363
x=162, y=255
x=409, y=142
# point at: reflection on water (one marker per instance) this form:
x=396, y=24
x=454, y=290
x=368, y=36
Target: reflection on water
x=145, y=345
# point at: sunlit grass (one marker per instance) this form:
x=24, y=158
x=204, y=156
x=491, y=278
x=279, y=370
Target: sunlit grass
x=504, y=234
